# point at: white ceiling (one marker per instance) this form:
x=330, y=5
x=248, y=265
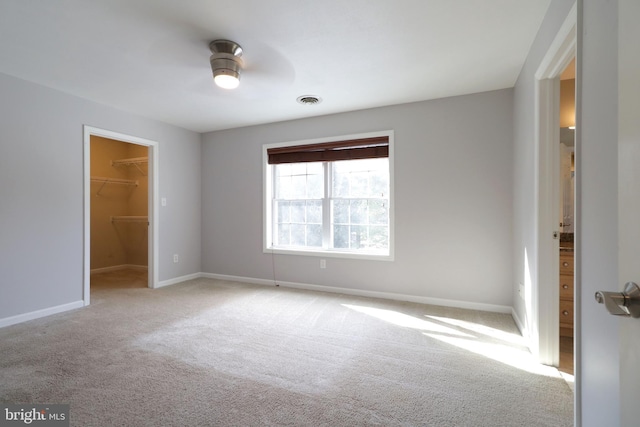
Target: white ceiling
x=151, y=57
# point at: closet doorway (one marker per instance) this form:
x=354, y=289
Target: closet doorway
x=567, y=283
x=120, y=177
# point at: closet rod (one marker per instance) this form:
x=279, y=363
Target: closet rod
x=129, y=218
x=105, y=181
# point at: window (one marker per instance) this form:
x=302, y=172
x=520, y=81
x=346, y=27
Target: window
x=331, y=198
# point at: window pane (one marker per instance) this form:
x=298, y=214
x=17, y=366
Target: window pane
x=283, y=169
x=358, y=211
x=283, y=234
x=360, y=178
x=340, y=211
x=297, y=212
x=379, y=184
x=299, y=223
x=341, y=186
x=282, y=211
x=299, y=186
x=298, y=168
x=357, y=237
x=359, y=184
x=315, y=186
x=360, y=204
x=314, y=235
x=360, y=224
x=284, y=189
x=297, y=234
x=378, y=237
x=378, y=212
x=340, y=236
x=299, y=181
x=315, y=180
x=314, y=212
x=315, y=168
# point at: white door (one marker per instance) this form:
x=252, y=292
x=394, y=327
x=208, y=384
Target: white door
x=629, y=200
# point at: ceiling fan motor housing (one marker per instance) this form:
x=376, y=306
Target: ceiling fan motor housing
x=225, y=66
x=225, y=58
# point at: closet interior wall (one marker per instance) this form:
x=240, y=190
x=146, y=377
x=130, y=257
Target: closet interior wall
x=120, y=191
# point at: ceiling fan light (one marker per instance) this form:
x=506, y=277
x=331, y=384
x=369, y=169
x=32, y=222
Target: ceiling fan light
x=226, y=79
x=226, y=63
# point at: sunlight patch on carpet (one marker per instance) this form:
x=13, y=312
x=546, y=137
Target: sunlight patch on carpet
x=482, y=329
x=406, y=321
x=511, y=356
x=510, y=349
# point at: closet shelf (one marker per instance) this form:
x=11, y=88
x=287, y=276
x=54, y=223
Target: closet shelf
x=134, y=161
x=129, y=218
x=128, y=162
x=106, y=180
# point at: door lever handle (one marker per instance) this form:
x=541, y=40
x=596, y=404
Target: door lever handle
x=625, y=303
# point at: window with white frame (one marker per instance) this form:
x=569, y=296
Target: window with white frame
x=330, y=197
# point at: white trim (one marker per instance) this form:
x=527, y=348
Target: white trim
x=266, y=282
x=359, y=292
x=520, y=325
x=329, y=254
x=562, y=50
x=544, y=328
x=546, y=296
x=118, y=268
x=180, y=279
x=153, y=174
x=267, y=196
x=25, y=317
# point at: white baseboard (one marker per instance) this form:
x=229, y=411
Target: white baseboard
x=374, y=294
x=180, y=279
x=519, y=323
x=251, y=280
x=7, y=321
x=118, y=267
x=357, y=292
x=521, y=326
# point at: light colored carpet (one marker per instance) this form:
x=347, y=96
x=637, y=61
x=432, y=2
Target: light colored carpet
x=214, y=353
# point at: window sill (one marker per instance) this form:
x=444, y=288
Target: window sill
x=372, y=256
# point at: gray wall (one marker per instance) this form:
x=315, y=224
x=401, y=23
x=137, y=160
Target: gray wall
x=453, y=201
x=597, y=248
x=41, y=193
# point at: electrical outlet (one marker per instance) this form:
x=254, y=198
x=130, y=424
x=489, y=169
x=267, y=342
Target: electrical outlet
x=176, y=258
x=323, y=263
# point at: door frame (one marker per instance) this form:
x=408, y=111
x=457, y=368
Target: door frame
x=628, y=134
x=152, y=196
x=545, y=335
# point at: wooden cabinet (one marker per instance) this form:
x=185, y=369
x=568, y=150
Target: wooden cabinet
x=566, y=293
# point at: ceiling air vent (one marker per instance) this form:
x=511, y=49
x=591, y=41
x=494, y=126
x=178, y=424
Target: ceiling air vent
x=309, y=100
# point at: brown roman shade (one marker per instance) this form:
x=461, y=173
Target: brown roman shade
x=353, y=149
